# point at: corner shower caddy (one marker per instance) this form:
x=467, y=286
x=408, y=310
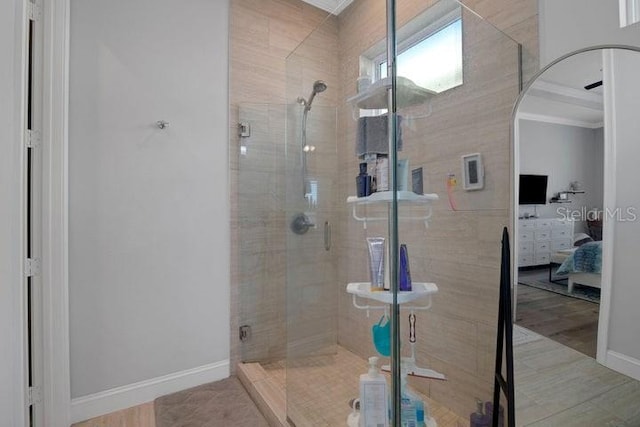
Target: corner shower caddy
x=375, y=97
x=419, y=290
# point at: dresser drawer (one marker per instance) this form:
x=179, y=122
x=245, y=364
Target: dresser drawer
x=558, y=245
x=525, y=260
x=526, y=235
x=562, y=223
x=561, y=233
x=542, y=235
x=542, y=247
x=527, y=224
x=544, y=223
x=525, y=248
x=542, y=258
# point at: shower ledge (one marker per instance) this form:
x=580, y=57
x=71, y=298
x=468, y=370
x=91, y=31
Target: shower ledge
x=420, y=290
x=404, y=197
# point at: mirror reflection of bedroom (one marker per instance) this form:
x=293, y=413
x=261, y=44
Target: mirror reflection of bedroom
x=560, y=138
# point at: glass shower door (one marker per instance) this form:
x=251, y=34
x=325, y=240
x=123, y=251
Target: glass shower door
x=311, y=217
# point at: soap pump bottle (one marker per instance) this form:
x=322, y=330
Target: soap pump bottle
x=374, y=397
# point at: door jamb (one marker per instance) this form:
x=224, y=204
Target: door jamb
x=57, y=389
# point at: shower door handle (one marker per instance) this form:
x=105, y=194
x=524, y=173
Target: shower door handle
x=327, y=236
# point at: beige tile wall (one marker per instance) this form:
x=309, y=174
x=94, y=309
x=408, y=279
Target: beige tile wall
x=263, y=34
x=460, y=250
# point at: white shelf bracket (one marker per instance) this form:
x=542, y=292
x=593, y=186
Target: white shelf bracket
x=365, y=219
x=354, y=299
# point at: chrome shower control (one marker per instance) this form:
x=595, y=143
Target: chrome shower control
x=301, y=223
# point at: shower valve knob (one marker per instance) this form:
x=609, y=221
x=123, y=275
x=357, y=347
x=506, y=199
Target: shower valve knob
x=301, y=223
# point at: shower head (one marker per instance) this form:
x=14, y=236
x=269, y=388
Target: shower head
x=318, y=87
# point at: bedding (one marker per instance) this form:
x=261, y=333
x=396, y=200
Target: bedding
x=585, y=259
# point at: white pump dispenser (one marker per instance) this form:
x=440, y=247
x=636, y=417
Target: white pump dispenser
x=374, y=397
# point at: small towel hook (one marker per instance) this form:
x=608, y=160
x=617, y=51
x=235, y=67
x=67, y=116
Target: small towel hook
x=162, y=124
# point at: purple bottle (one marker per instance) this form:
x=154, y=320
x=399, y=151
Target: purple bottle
x=405, y=273
x=479, y=418
x=488, y=409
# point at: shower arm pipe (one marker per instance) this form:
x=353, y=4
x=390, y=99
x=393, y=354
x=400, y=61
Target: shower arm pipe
x=396, y=418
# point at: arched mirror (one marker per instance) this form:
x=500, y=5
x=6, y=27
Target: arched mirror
x=576, y=236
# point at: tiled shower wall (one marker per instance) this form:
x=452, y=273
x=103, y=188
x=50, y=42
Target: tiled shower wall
x=263, y=34
x=460, y=250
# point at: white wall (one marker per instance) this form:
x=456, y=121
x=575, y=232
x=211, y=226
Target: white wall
x=568, y=25
x=624, y=323
x=149, y=221
x=565, y=154
x=11, y=368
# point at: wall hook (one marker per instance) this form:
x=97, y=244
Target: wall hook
x=162, y=124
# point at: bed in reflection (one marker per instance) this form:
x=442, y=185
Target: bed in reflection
x=582, y=265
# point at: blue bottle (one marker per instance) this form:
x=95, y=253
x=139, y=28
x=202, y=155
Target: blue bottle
x=363, y=182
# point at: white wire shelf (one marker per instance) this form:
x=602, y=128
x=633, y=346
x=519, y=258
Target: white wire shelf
x=404, y=197
x=375, y=96
x=419, y=290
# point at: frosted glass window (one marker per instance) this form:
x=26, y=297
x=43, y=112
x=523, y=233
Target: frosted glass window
x=435, y=62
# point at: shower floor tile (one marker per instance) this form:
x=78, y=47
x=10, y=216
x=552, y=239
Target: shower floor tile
x=319, y=390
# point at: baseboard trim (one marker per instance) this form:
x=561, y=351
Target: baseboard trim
x=105, y=402
x=624, y=364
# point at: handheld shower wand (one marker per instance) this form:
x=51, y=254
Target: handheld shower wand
x=318, y=87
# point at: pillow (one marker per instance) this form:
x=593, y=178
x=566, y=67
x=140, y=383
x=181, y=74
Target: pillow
x=581, y=238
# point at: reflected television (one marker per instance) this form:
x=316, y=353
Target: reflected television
x=533, y=189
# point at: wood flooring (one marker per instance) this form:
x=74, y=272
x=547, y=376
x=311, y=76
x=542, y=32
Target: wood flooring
x=138, y=416
x=569, y=321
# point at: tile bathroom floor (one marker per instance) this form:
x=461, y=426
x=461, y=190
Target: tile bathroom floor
x=556, y=386
x=320, y=388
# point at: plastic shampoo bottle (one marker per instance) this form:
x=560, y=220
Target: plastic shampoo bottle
x=374, y=397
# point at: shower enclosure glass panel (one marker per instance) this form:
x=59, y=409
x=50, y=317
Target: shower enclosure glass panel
x=261, y=239
x=458, y=252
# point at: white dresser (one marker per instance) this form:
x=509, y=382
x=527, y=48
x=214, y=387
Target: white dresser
x=538, y=238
